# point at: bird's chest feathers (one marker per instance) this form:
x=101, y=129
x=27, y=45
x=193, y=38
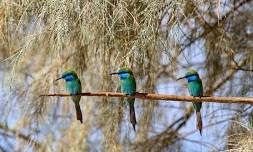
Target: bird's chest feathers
x=128, y=86
x=195, y=88
x=73, y=86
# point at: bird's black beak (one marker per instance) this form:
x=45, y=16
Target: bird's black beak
x=114, y=73
x=180, y=78
x=58, y=79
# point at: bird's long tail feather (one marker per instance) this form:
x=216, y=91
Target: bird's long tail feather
x=199, y=122
x=78, y=112
x=132, y=115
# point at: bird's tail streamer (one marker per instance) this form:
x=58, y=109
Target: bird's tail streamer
x=132, y=114
x=199, y=122
x=78, y=112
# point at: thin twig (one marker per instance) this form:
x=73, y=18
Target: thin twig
x=12, y=132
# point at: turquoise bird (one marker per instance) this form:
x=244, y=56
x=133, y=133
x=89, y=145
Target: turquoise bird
x=73, y=85
x=128, y=86
x=195, y=89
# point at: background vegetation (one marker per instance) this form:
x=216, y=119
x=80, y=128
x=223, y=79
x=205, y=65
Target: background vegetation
x=158, y=39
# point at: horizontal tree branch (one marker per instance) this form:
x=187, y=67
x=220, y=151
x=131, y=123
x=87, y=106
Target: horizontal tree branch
x=153, y=96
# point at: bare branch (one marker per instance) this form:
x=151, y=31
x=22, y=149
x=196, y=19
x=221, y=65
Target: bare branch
x=153, y=96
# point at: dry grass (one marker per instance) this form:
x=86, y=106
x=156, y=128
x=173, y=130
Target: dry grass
x=240, y=139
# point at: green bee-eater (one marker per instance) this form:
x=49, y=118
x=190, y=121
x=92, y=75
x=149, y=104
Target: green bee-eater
x=195, y=89
x=73, y=85
x=128, y=86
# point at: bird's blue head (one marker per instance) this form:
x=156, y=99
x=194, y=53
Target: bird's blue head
x=191, y=75
x=68, y=75
x=124, y=73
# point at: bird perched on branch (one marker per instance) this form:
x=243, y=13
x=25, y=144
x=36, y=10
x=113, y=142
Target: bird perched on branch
x=195, y=89
x=73, y=85
x=128, y=86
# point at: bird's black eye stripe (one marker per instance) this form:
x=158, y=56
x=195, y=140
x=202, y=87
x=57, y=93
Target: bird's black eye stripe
x=123, y=72
x=191, y=75
x=67, y=75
